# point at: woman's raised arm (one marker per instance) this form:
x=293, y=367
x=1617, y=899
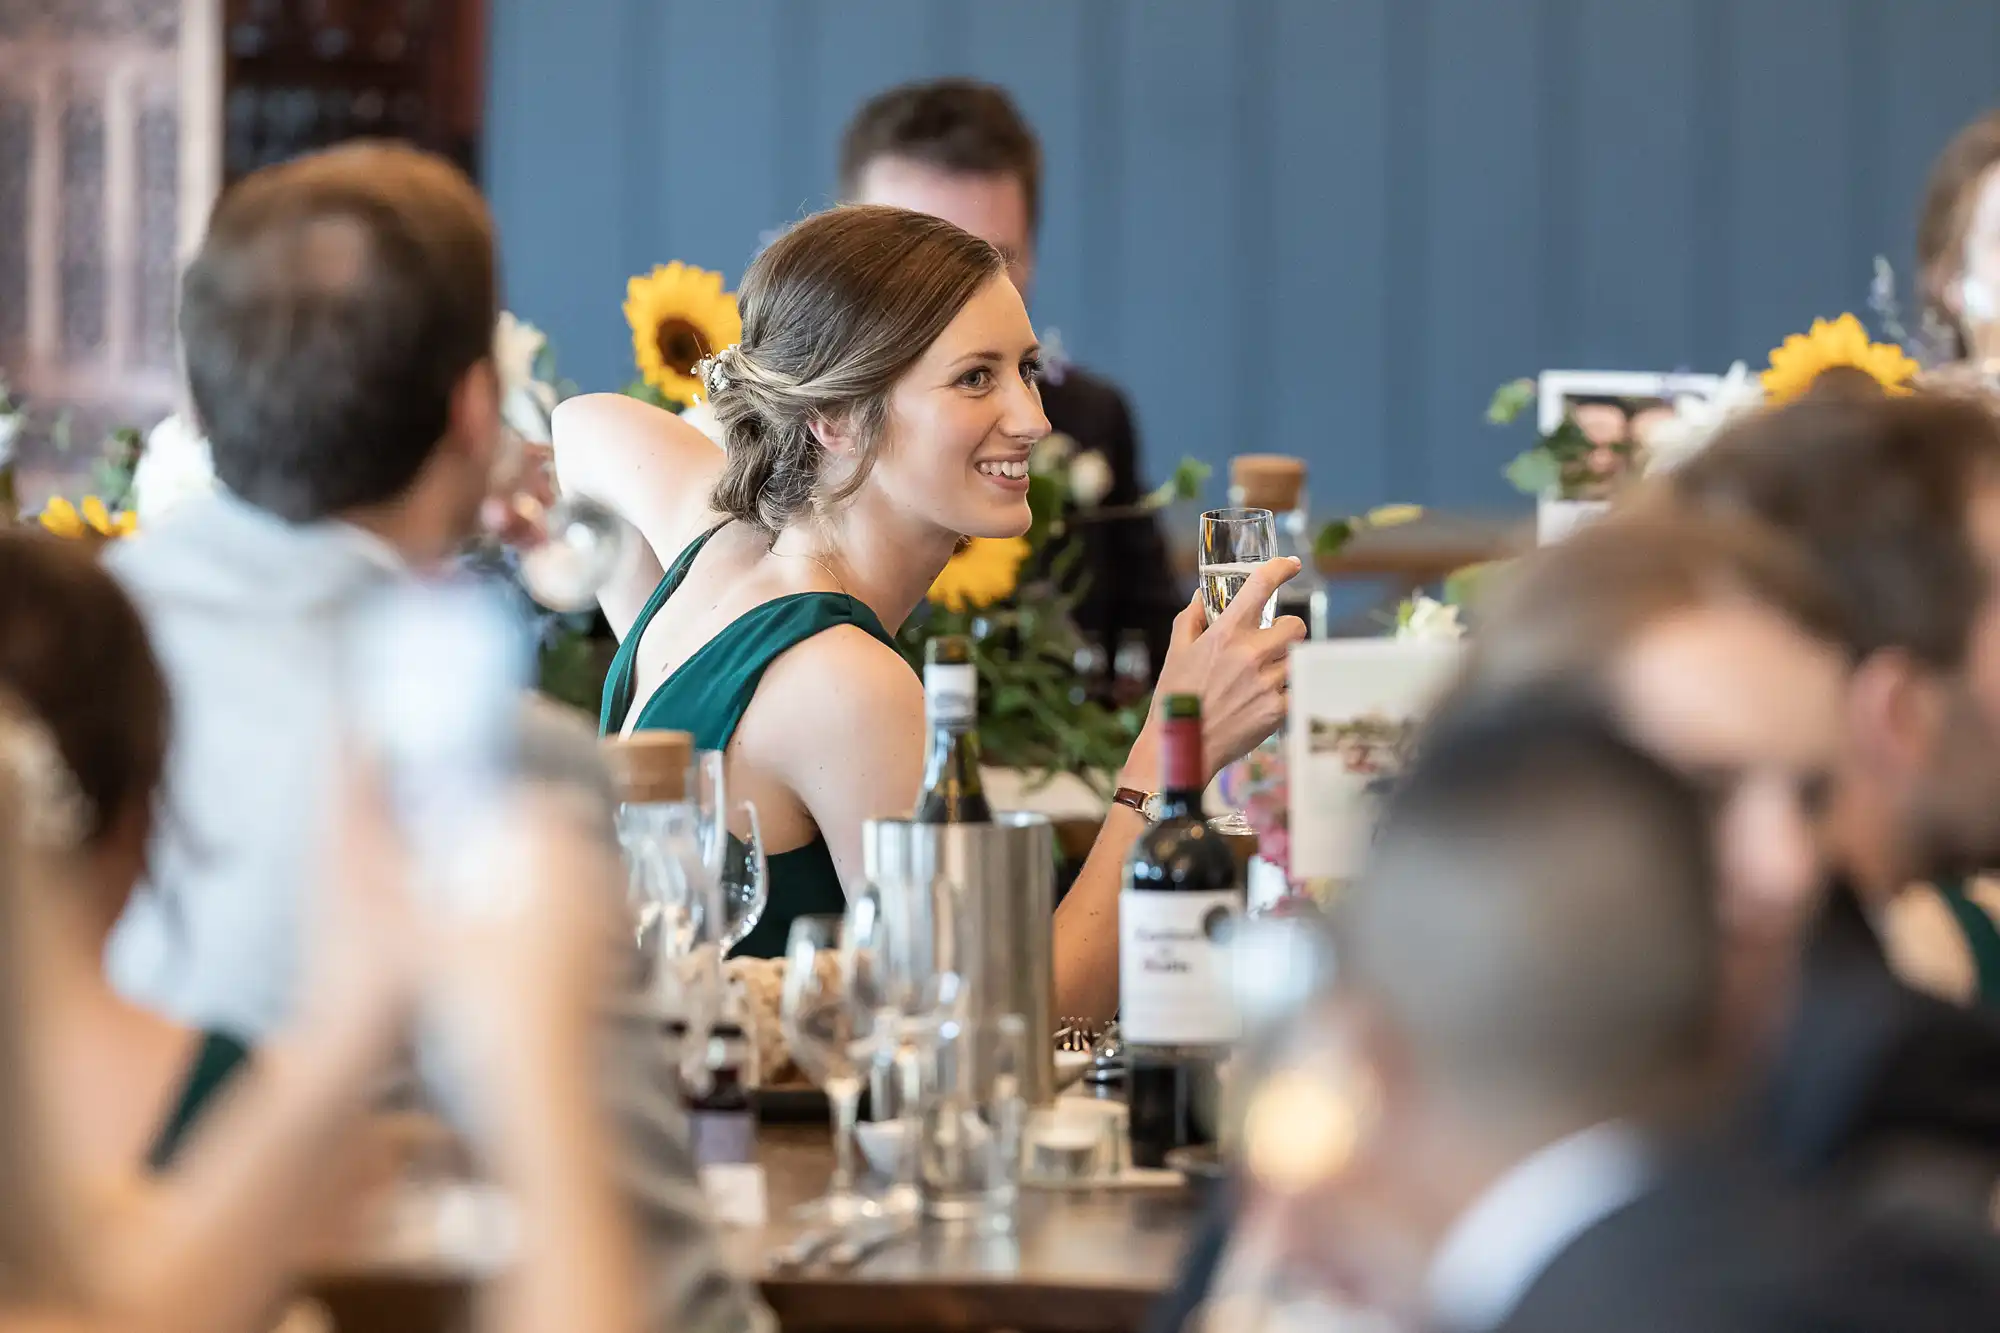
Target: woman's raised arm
x=650, y=468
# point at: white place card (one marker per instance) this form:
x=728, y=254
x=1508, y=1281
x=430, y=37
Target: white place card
x=1557, y=519
x=1356, y=705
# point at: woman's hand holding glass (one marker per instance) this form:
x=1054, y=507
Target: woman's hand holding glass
x=1237, y=667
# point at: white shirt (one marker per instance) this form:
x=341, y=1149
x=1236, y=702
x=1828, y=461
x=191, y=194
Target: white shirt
x=1500, y=1245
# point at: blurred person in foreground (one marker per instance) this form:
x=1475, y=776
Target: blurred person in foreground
x=961, y=150
x=1499, y=1118
x=215, y=1243
x=1897, y=500
x=1713, y=643
x=337, y=326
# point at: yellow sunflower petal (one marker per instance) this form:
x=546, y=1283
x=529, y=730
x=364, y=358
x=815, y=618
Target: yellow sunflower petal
x=679, y=314
x=1830, y=344
x=1389, y=516
x=125, y=524
x=96, y=515
x=983, y=573
x=59, y=516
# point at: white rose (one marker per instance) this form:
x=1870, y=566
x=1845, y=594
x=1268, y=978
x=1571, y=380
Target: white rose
x=1050, y=453
x=1089, y=479
x=1696, y=419
x=175, y=465
x=525, y=402
x=1426, y=618
x=701, y=415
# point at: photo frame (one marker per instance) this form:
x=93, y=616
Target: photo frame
x=1635, y=391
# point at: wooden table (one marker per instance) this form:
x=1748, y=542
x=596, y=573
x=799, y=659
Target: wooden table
x=1083, y=1262
x=1429, y=548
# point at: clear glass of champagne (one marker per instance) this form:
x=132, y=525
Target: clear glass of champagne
x=1233, y=543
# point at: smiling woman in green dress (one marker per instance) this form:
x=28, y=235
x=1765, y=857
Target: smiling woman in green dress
x=880, y=408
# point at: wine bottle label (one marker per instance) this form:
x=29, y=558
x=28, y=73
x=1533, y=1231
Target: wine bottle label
x=1173, y=968
x=951, y=694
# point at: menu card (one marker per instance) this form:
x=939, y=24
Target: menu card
x=1356, y=706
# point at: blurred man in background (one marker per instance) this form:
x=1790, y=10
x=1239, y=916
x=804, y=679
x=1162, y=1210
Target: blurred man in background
x=338, y=329
x=1897, y=500
x=1498, y=1120
x=960, y=150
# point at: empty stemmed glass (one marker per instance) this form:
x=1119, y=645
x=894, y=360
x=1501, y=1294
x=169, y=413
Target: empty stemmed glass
x=901, y=981
x=827, y=1043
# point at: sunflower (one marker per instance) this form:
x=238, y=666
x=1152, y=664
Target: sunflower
x=62, y=518
x=981, y=574
x=679, y=314
x=1840, y=345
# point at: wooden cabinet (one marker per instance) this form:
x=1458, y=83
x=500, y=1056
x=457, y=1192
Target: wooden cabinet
x=303, y=74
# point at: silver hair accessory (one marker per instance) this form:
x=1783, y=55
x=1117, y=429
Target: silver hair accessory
x=54, y=814
x=714, y=371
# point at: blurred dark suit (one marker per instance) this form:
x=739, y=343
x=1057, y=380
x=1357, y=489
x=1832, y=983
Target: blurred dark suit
x=1131, y=578
x=1884, y=1094
x=1878, y=1084
x=1719, y=1247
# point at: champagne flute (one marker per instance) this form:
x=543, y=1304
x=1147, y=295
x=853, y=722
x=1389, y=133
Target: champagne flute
x=1233, y=543
x=820, y=1028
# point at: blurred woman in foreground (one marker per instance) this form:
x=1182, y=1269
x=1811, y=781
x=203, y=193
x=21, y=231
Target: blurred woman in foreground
x=215, y=1243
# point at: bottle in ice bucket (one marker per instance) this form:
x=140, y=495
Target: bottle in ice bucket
x=1182, y=901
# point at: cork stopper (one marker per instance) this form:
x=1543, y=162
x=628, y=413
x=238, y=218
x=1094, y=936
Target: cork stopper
x=650, y=767
x=1267, y=481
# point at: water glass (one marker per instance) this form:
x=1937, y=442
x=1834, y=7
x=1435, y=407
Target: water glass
x=969, y=1145
x=1233, y=543
x=827, y=1043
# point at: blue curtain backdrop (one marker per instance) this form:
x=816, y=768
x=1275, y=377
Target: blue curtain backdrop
x=1325, y=227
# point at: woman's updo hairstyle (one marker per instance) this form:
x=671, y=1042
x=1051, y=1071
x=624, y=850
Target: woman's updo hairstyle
x=835, y=311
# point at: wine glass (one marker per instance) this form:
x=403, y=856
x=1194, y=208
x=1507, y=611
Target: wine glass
x=1233, y=543
x=821, y=1029
x=901, y=982
x=738, y=865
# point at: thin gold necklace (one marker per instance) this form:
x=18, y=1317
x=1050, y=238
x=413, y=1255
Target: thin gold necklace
x=830, y=571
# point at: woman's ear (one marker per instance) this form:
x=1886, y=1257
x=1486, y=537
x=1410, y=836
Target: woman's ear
x=836, y=437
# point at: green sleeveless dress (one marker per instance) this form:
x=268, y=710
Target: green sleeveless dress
x=706, y=696
x=1981, y=935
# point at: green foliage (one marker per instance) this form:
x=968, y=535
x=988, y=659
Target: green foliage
x=1186, y=483
x=1033, y=713
x=1334, y=537
x=111, y=476
x=572, y=665
x=1462, y=587
x=1509, y=401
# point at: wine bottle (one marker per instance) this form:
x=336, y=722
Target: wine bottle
x=1181, y=902
x=952, y=792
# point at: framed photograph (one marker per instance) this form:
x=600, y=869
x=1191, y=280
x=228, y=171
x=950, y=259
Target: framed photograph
x=1355, y=710
x=1613, y=407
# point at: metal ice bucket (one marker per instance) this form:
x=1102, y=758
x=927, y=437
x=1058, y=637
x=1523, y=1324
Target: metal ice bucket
x=997, y=883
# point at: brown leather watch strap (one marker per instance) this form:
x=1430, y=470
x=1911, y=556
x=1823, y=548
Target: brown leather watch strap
x=1133, y=799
